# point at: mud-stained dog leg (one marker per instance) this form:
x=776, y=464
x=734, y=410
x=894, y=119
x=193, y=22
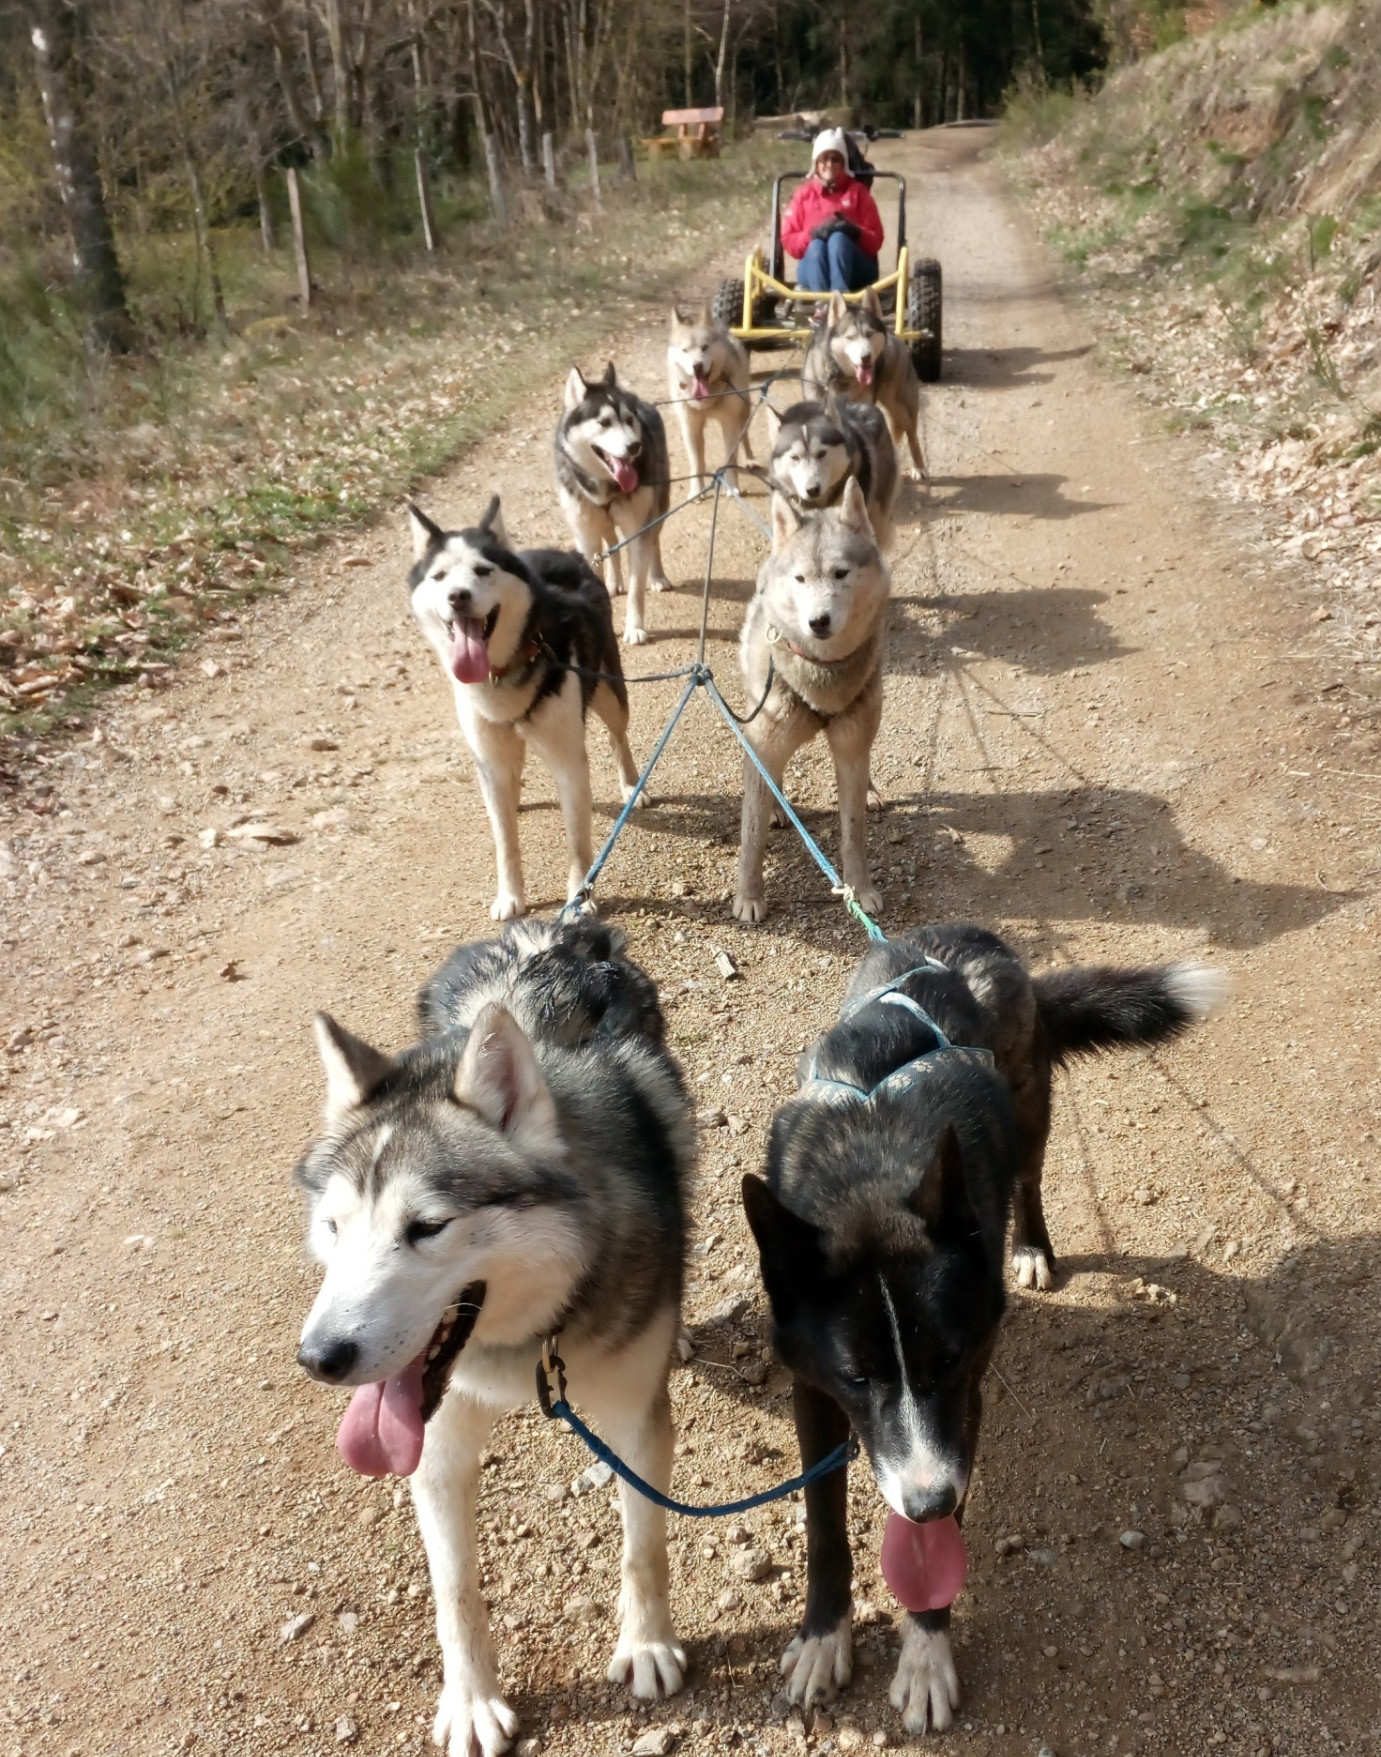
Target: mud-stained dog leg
x=498, y=753
x=472, y=1714
x=819, y=1661
x=635, y=1411
x=615, y=716
x=776, y=744
x=557, y=734
x=851, y=740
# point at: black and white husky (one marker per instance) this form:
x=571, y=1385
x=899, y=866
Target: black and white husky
x=918, y=1127
x=519, y=1173
x=527, y=640
x=613, y=477
x=816, y=447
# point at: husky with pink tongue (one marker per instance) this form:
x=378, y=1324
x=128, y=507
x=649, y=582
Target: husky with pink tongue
x=613, y=478
x=526, y=640
x=708, y=380
x=519, y=1174
x=856, y=355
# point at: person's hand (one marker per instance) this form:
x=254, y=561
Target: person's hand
x=849, y=229
x=823, y=230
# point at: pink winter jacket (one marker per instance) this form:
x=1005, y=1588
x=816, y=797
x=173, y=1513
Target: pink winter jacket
x=813, y=204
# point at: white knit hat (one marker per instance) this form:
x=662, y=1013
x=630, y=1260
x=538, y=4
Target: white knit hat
x=829, y=140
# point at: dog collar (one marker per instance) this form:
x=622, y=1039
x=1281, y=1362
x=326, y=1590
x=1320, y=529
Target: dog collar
x=524, y=657
x=810, y=658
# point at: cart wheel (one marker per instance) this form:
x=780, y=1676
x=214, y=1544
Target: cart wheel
x=923, y=312
x=727, y=308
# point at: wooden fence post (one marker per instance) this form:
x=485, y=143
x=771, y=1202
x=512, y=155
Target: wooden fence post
x=549, y=158
x=496, y=194
x=628, y=170
x=304, y=272
x=424, y=198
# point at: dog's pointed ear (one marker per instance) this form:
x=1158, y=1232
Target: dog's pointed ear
x=498, y=1077
x=492, y=523
x=575, y=389
x=676, y=318
x=702, y=317
x=872, y=303
x=425, y=535
x=786, y=521
x=941, y=1198
x=774, y=421
x=611, y=377
x=853, y=509
x=789, y=1247
x=838, y=307
x=353, y=1069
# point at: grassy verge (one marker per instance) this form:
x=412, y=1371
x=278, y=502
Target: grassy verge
x=1218, y=204
x=139, y=499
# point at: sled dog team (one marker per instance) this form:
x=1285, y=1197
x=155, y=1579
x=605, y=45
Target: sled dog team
x=520, y=1176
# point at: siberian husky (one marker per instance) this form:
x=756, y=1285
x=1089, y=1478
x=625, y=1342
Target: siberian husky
x=513, y=1176
x=817, y=618
x=920, y=1122
x=708, y=378
x=816, y=447
x=527, y=640
x=855, y=354
x=613, y=477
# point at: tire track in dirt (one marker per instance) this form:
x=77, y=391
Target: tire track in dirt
x=1093, y=740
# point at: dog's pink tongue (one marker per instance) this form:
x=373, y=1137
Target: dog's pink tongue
x=625, y=474
x=924, y=1565
x=700, y=389
x=864, y=374
x=382, y=1430
x=469, y=652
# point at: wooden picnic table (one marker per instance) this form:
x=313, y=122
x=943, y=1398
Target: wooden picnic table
x=696, y=136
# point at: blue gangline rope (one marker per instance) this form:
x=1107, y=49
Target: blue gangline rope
x=826, y=1466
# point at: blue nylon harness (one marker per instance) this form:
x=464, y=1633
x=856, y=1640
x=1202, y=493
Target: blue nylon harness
x=903, y=1078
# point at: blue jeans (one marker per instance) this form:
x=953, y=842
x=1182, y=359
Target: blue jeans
x=836, y=265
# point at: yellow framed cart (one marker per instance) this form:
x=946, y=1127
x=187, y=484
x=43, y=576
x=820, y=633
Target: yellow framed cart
x=764, y=310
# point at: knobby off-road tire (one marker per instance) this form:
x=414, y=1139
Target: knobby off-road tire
x=727, y=308
x=924, y=299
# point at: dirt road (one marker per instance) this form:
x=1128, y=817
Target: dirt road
x=1104, y=735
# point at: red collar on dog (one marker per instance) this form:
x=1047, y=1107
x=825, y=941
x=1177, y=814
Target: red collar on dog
x=529, y=650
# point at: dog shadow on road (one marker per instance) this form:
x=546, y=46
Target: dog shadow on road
x=1028, y=494
x=1045, y=630
x=1003, y=368
x=1178, y=1467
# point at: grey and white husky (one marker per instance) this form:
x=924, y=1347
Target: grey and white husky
x=708, y=377
x=527, y=640
x=613, y=477
x=519, y=1173
x=818, y=618
x=816, y=447
x=856, y=355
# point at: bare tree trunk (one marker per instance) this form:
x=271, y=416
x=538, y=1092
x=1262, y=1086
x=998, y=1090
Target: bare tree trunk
x=303, y=126
x=491, y=142
x=54, y=28
x=723, y=53
x=340, y=75
x=917, y=108
x=592, y=148
x=304, y=272
x=688, y=51
x=549, y=158
x=424, y=199
x=261, y=189
x=313, y=74
x=628, y=169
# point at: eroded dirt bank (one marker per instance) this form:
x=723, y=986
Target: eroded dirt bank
x=1106, y=735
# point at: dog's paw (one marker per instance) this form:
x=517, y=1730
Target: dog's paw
x=644, y=798
x=506, y=907
x=634, y=636
x=874, y=798
x=1031, y=1266
x=913, y=474
x=697, y=488
x=588, y=906
x=660, y=583
x=926, y=1687
x=817, y=1667
x=473, y=1720
x=650, y=1669
x=750, y=910
x=868, y=898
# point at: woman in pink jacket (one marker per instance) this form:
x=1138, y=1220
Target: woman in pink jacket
x=832, y=226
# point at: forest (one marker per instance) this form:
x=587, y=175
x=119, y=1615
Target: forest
x=123, y=122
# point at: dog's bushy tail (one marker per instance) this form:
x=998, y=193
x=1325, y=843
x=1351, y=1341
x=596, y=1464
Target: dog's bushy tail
x=1099, y=1007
